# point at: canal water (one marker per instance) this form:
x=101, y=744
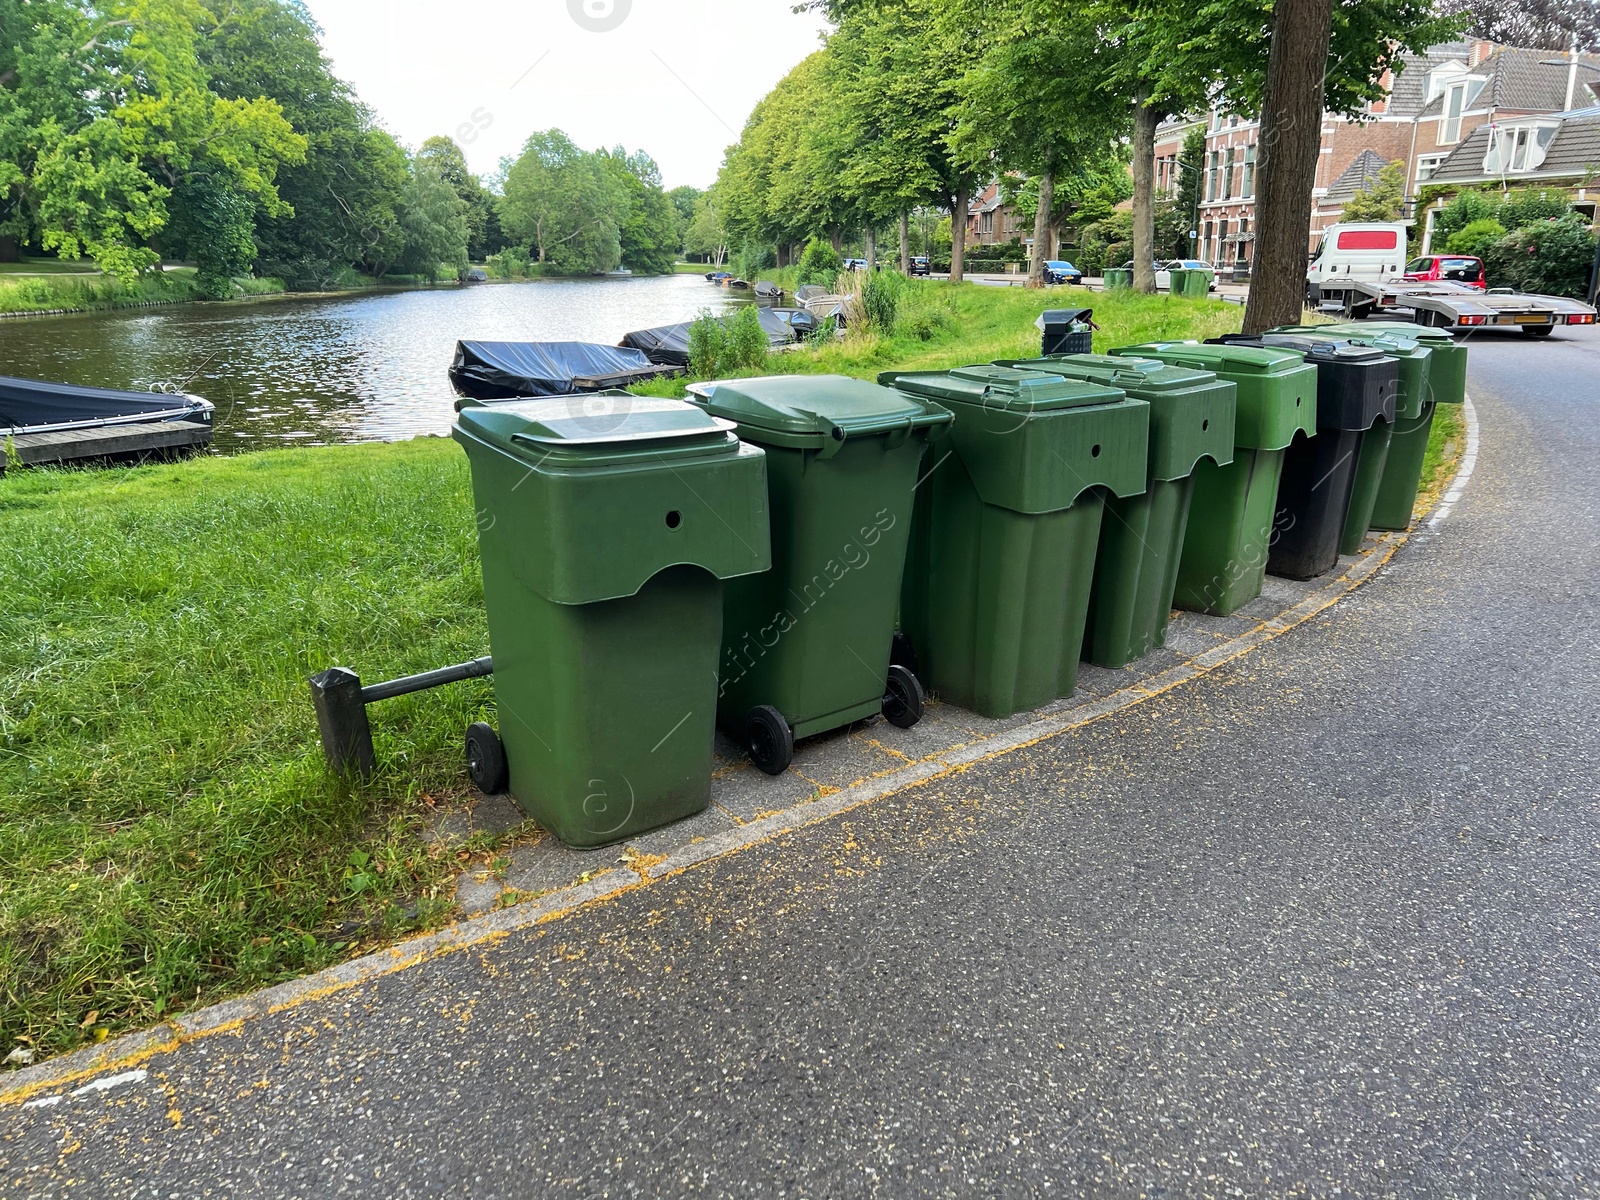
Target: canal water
x=344, y=369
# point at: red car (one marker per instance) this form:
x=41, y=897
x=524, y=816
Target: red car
x=1458, y=268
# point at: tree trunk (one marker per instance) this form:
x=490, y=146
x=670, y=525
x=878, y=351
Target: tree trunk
x=905, y=243
x=1286, y=165
x=836, y=236
x=1145, y=119
x=872, y=249
x=9, y=250
x=958, y=234
x=1041, y=224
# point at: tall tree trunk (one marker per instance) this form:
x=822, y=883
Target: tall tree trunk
x=836, y=236
x=1286, y=164
x=872, y=249
x=1041, y=223
x=782, y=256
x=9, y=250
x=958, y=234
x=905, y=243
x=1146, y=117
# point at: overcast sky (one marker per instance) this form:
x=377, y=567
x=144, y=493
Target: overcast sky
x=674, y=77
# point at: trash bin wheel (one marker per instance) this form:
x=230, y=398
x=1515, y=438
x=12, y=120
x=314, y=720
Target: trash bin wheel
x=902, y=697
x=903, y=652
x=486, y=760
x=768, y=739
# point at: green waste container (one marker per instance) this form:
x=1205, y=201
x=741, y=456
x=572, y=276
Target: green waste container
x=1226, y=546
x=1006, y=527
x=1382, y=492
x=605, y=534
x=1141, y=537
x=1117, y=277
x=1194, y=282
x=1447, y=369
x=806, y=644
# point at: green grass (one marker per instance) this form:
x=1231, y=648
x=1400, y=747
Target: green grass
x=49, y=266
x=1446, y=441
x=169, y=834
x=77, y=292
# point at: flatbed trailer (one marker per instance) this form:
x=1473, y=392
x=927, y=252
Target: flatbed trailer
x=1451, y=305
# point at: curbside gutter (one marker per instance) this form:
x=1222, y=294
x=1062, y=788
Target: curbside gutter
x=131, y=1050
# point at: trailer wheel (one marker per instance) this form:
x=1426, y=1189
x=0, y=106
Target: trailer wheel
x=1538, y=330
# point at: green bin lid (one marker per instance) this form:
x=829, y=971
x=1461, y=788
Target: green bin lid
x=821, y=406
x=1204, y=356
x=1135, y=376
x=594, y=422
x=1006, y=388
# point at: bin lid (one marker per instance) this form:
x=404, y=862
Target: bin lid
x=1391, y=342
x=596, y=420
x=1400, y=329
x=1319, y=348
x=814, y=406
x=1003, y=388
x=1221, y=359
x=1136, y=376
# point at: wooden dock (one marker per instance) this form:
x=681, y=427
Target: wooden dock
x=105, y=441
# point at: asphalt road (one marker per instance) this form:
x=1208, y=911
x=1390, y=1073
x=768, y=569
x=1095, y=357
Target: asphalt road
x=1321, y=923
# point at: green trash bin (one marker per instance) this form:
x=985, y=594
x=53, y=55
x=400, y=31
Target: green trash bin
x=1116, y=278
x=1007, y=524
x=1226, y=546
x=605, y=535
x=806, y=644
x=1141, y=537
x=1197, y=282
x=1447, y=368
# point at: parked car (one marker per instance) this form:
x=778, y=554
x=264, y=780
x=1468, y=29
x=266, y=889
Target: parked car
x=919, y=265
x=1059, y=270
x=855, y=264
x=1460, y=268
x=1164, y=270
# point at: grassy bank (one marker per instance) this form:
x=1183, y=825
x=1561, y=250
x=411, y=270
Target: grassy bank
x=80, y=292
x=168, y=833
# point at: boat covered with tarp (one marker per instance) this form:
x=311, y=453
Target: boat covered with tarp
x=35, y=406
x=669, y=344
x=510, y=370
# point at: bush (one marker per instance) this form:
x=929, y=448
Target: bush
x=1550, y=257
x=1525, y=206
x=747, y=342
x=819, y=263
x=508, y=264
x=753, y=259
x=1465, y=209
x=1475, y=238
x=723, y=346
x=880, y=300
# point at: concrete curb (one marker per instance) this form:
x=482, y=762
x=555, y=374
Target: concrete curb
x=132, y=1049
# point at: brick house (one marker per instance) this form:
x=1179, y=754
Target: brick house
x=991, y=221
x=1435, y=103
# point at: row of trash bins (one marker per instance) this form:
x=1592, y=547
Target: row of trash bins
x=783, y=556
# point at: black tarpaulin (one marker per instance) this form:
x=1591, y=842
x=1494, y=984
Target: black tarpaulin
x=669, y=344
x=30, y=403
x=502, y=370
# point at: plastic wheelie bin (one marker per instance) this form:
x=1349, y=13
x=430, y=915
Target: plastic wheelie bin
x=1141, y=537
x=1196, y=283
x=1007, y=523
x=1393, y=483
x=806, y=644
x=605, y=539
x=1356, y=388
x=1230, y=517
x=1447, y=369
x=1117, y=277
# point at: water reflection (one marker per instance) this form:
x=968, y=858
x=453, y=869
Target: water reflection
x=315, y=371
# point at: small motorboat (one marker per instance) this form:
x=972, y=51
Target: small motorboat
x=48, y=422
x=516, y=370
x=768, y=291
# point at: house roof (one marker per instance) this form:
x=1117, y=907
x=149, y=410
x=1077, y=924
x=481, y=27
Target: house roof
x=1357, y=175
x=1573, y=152
x=1527, y=81
x=1408, y=93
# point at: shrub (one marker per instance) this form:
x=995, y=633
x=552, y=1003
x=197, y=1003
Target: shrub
x=880, y=299
x=1527, y=205
x=747, y=341
x=1475, y=238
x=508, y=264
x=708, y=346
x=752, y=259
x=1466, y=208
x=819, y=263
x=723, y=346
x=1550, y=257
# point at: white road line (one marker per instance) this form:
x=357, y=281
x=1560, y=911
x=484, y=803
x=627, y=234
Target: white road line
x=1469, y=460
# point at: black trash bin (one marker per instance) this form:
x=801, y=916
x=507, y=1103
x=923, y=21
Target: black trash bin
x=1065, y=331
x=1356, y=387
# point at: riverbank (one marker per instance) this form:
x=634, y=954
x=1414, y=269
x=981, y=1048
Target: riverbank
x=168, y=832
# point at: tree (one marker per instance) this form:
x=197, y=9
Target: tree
x=705, y=236
x=1381, y=200
x=446, y=160
x=648, y=222
x=562, y=204
x=433, y=222
x=1540, y=24
x=684, y=200
x=1191, y=168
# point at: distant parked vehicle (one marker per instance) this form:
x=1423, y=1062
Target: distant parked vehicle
x=1458, y=268
x=1164, y=270
x=855, y=264
x=1059, y=270
x=919, y=265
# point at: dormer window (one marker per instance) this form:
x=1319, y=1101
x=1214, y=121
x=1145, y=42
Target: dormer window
x=1517, y=148
x=1455, y=99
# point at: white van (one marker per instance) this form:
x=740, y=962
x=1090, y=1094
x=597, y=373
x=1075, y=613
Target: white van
x=1368, y=250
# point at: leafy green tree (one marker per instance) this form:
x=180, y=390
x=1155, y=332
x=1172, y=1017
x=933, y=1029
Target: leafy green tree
x=1465, y=208
x=1382, y=199
x=648, y=224
x=1550, y=257
x=445, y=159
x=433, y=223
x=216, y=225
x=562, y=204
x=685, y=201
x=705, y=237
x=820, y=264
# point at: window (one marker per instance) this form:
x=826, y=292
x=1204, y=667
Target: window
x=1206, y=241
x=1418, y=266
x=1211, y=176
x=1227, y=175
x=1514, y=148
x=1368, y=239
x=1427, y=164
x=1244, y=228
x=1222, y=239
x=1247, y=185
x=1455, y=99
